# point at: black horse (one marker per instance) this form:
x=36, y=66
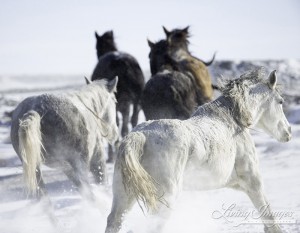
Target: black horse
x=113, y=63
x=169, y=93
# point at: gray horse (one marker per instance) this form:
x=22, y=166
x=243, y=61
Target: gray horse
x=66, y=131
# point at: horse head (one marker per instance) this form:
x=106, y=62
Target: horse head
x=160, y=58
x=257, y=101
x=105, y=43
x=178, y=38
x=271, y=116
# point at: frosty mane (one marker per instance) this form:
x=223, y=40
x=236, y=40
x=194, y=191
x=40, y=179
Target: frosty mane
x=236, y=90
x=94, y=98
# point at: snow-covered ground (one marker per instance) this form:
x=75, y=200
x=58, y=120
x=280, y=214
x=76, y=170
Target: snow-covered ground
x=207, y=211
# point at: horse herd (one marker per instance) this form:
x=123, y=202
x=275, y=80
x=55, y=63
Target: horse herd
x=188, y=141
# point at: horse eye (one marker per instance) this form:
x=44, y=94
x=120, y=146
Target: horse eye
x=281, y=102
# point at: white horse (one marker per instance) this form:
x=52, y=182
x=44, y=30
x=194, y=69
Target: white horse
x=210, y=150
x=66, y=131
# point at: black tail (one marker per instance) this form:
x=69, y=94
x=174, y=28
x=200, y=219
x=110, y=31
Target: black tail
x=209, y=62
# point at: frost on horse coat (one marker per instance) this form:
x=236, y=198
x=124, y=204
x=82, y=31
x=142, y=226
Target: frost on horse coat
x=65, y=131
x=212, y=149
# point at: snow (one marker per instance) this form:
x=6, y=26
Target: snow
x=194, y=212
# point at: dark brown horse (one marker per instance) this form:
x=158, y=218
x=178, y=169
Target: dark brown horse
x=170, y=93
x=178, y=50
x=113, y=63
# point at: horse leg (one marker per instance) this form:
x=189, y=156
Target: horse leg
x=111, y=152
x=78, y=174
x=43, y=197
x=41, y=191
x=259, y=201
x=117, y=119
x=163, y=214
x=251, y=183
x=98, y=165
x=125, y=117
x=111, y=156
x=135, y=114
x=122, y=203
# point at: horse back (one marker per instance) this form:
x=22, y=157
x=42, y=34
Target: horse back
x=169, y=95
x=62, y=124
x=126, y=67
x=167, y=137
x=201, y=76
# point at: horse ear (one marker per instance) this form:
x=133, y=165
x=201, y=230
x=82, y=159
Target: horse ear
x=166, y=31
x=111, y=33
x=87, y=80
x=272, y=79
x=96, y=35
x=151, y=44
x=186, y=30
x=112, y=85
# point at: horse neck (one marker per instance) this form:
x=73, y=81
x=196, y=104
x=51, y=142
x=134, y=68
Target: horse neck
x=91, y=97
x=179, y=51
x=180, y=54
x=166, y=67
x=106, y=49
x=223, y=109
x=167, y=63
x=170, y=65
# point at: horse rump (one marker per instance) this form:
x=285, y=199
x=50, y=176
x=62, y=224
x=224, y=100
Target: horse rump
x=135, y=178
x=169, y=95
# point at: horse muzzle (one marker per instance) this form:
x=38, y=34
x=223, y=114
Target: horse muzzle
x=287, y=135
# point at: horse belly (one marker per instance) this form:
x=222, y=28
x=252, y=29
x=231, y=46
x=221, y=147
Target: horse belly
x=69, y=142
x=208, y=175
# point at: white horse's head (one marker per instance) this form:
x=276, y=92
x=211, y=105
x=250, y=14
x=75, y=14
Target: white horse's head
x=269, y=115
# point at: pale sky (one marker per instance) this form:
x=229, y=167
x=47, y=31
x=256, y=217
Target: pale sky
x=57, y=37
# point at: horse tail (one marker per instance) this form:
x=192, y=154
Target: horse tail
x=135, y=178
x=30, y=148
x=209, y=62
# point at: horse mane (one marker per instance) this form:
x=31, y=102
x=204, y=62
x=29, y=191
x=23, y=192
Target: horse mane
x=234, y=91
x=94, y=98
x=98, y=94
x=182, y=38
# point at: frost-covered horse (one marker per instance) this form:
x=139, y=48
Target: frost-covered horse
x=66, y=131
x=212, y=149
x=178, y=49
x=169, y=93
